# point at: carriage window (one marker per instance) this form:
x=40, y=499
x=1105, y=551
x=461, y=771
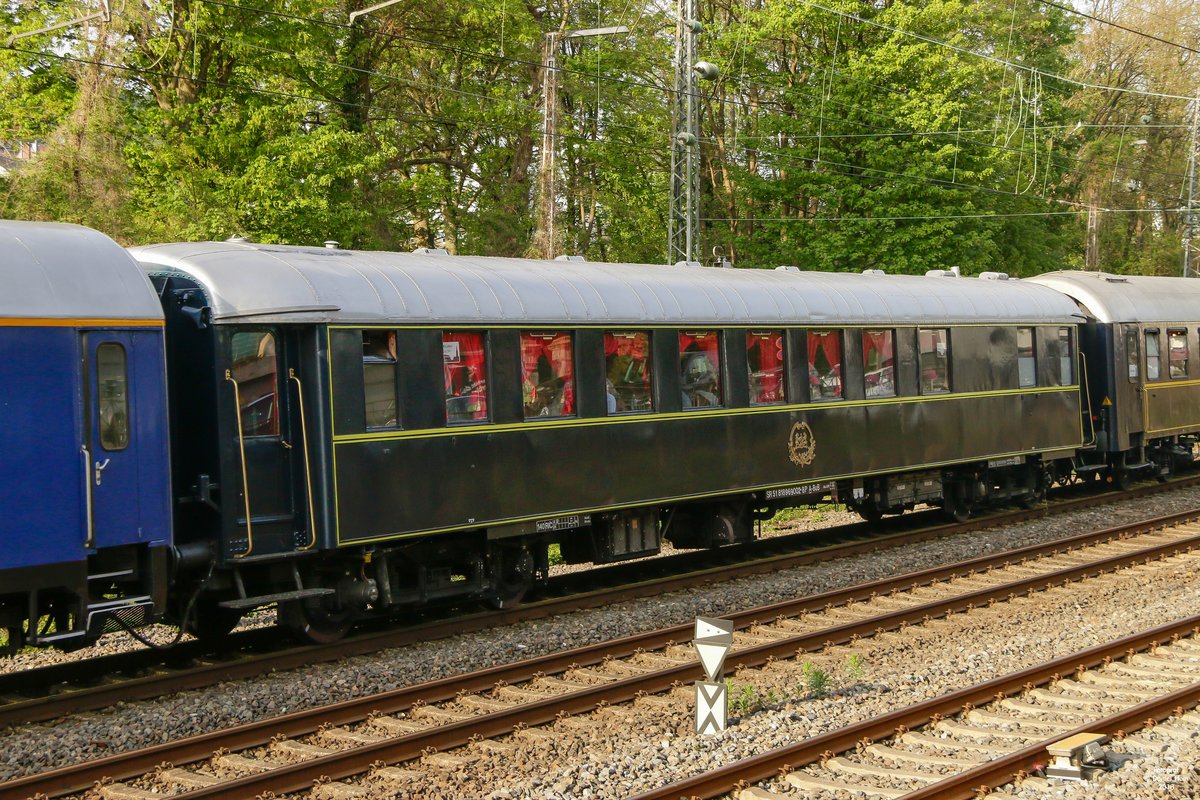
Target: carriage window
x=1152, y=355
x=1026, y=360
x=1066, y=360
x=825, y=365
x=934, y=345
x=1131, y=354
x=548, y=374
x=255, y=371
x=764, y=360
x=627, y=364
x=111, y=389
x=879, y=359
x=700, y=368
x=379, y=378
x=1178, y=353
x=464, y=365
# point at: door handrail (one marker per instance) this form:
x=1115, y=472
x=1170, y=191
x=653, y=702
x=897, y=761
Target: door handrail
x=87, y=493
x=237, y=400
x=312, y=517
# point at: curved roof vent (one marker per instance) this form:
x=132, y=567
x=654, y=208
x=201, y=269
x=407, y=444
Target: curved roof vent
x=572, y=259
x=993, y=276
x=332, y=244
x=430, y=251
x=238, y=239
x=873, y=272
x=787, y=269
x=953, y=272
x=688, y=264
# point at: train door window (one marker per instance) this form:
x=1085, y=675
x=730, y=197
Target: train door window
x=879, y=363
x=1152, y=355
x=825, y=365
x=1177, y=353
x=256, y=372
x=464, y=365
x=112, y=390
x=934, y=360
x=764, y=365
x=627, y=366
x=379, y=378
x=1132, y=361
x=700, y=368
x=1066, y=359
x=1026, y=359
x=548, y=374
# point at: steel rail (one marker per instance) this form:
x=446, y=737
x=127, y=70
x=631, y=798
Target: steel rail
x=218, y=667
x=296, y=777
x=785, y=759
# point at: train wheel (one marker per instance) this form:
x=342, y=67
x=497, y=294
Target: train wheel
x=14, y=639
x=313, y=621
x=956, y=505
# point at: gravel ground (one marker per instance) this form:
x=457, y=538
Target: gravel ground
x=35, y=748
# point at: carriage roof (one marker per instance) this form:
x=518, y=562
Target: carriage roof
x=248, y=282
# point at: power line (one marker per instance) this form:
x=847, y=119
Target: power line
x=927, y=217
x=1109, y=22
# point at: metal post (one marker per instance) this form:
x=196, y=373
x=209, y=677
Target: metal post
x=684, y=227
x=544, y=236
x=1189, y=219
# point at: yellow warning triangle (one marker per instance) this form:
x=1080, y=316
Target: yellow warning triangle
x=1106, y=402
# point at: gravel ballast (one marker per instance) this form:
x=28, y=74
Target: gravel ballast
x=35, y=748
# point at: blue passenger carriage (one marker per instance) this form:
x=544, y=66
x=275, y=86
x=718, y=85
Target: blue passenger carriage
x=369, y=430
x=84, y=496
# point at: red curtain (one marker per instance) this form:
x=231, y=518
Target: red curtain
x=770, y=364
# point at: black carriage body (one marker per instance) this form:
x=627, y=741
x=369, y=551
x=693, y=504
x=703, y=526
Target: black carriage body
x=436, y=478
x=281, y=459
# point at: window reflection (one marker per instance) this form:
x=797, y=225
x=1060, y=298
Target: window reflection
x=700, y=368
x=255, y=371
x=112, y=391
x=825, y=365
x=879, y=363
x=933, y=345
x=627, y=365
x=464, y=360
x=379, y=378
x=764, y=363
x=548, y=374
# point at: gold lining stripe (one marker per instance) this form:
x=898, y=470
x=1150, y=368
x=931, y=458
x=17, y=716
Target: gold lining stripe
x=1174, y=384
x=49, y=322
x=472, y=429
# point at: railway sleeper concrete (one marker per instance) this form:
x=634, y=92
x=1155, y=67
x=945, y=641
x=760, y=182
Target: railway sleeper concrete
x=845, y=765
x=229, y=765
x=811, y=783
x=336, y=790
x=1164, y=658
x=343, y=737
x=494, y=747
x=186, y=778
x=394, y=726
x=1072, y=706
x=439, y=715
x=293, y=751
x=987, y=751
x=755, y=793
x=919, y=757
x=1009, y=721
x=449, y=762
x=123, y=791
x=959, y=729
x=1135, y=687
x=392, y=777
x=1157, y=675
x=485, y=704
x=1072, y=691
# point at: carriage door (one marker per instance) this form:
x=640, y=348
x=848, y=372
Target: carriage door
x=1129, y=389
x=110, y=442
x=264, y=453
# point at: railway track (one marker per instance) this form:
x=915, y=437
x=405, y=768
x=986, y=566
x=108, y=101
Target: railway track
x=963, y=744
x=73, y=687
x=324, y=747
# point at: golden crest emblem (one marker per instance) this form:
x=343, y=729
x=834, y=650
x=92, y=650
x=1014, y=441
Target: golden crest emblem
x=802, y=445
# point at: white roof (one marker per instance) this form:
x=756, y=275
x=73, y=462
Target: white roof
x=1129, y=298
x=49, y=270
x=316, y=284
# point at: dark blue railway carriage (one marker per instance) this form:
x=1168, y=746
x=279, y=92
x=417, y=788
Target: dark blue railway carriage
x=1142, y=345
x=84, y=497
x=355, y=431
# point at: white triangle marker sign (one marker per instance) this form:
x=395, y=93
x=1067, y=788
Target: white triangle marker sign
x=712, y=658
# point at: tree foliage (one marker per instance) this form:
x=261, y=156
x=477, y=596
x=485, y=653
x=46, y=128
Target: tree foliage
x=902, y=135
